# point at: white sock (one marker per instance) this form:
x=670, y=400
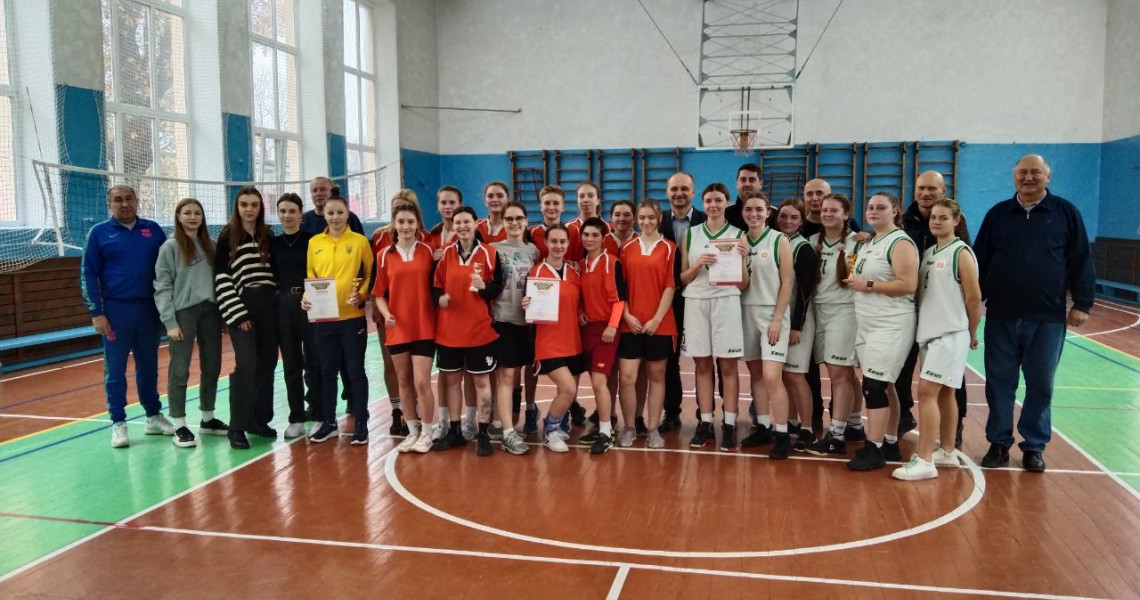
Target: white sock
x=496, y=423
x=891, y=439
x=413, y=426
x=730, y=418
x=877, y=444
x=793, y=422
x=780, y=428
x=178, y=421
x=838, y=427
x=855, y=419
x=469, y=413
x=444, y=414
x=508, y=431
x=764, y=420
x=606, y=428
x=706, y=417
x=207, y=415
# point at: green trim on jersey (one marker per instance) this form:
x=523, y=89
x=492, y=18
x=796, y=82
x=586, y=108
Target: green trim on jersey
x=763, y=235
x=711, y=235
x=688, y=240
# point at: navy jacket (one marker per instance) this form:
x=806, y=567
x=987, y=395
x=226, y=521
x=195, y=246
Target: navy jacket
x=314, y=223
x=119, y=262
x=1029, y=262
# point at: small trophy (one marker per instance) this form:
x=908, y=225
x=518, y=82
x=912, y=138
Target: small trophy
x=356, y=283
x=851, y=258
x=477, y=269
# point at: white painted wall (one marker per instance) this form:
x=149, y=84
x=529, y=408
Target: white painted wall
x=418, y=73
x=595, y=73
x=1122, y=70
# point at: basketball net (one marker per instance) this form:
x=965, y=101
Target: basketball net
x=742, y=141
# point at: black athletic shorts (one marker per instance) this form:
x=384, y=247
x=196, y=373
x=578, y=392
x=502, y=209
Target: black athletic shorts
x=644, y=346
x=549, y=365
x=476, y=360
x=515, y=347
x=417, y=348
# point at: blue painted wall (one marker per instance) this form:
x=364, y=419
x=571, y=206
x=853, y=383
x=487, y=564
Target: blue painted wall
x=81, y=144
x=1120, y=189
x=239, y=149
x=422, y=176
x=338, y=161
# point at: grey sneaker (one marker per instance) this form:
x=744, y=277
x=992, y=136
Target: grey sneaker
x=655, y=440
x=626, y=437
x=158, y=425
x=495, y=432
x=467, y=428
x=513, y=442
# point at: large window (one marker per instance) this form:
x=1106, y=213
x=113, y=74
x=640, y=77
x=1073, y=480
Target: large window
x=7, y=125
x=360, y=107
x=147, y=121
x=276, y=115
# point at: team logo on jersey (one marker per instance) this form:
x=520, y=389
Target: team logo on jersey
x=146, y=233
x=348, y=250
x=879, y=253
x=940, y=265
x=763, y=254
x=490, y=361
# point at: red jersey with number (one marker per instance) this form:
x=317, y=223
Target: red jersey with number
x=561, y=339
x=648, y=273
x=483, y=227
x=600, y=286
x=466, y=322
x=405, y=280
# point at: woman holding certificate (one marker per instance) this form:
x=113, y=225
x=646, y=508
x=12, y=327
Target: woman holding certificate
x=402, y=293
x=766, y=321
x=344, y=257
x=713, y=272
x=885, y=278
x=244, y=284
x=835, y=319
x=467, y=278
x=552, y=303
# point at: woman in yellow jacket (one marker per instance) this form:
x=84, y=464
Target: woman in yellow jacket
x=345, y=256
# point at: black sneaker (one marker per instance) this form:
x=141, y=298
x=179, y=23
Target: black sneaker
x=805, y=439
x=703, y=436
x=483, y=445
x=264, y=431
x=183, y=438
x=639, y=427
x=398, y=426
x=794, y=430
x=453, y=439
x=594, y=418
x=996, y=457
x=781, y=445
x=669, y=423
x=587, y=439
x=602, y=444
x=238, y=441
x=868, y=458
x=829, y=444
x=891, y=451
x=213, y=427
x=761, y=436
x=728, y=438
x=958, y=436
x=906, y=423
x=324, y=432
x=360, y=433
x=855, y=434
x=577, y=414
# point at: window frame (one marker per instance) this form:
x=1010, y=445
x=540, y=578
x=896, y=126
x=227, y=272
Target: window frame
x=265, y=133
x=362, y=148
x=10, y=90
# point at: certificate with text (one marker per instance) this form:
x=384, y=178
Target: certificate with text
x=543, y=294
x=729, y=266
x=321, y=293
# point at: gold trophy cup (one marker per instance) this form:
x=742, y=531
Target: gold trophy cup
x=851, y=258
x=477, y=271
x=356, y=283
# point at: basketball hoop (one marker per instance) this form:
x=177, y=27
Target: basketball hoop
x=742, y=141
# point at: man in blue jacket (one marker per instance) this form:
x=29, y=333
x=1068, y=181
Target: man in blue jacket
x=1032, y=253
x=118, y=287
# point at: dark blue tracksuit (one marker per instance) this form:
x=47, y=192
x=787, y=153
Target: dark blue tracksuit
x=118, y=283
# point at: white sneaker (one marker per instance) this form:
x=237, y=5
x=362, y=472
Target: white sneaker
x=915, y=470
x=119, y=437
x=441, y=429
x=655, y=440
x=942, y=458
x=626, y=438
x=406, y=445
x=158, y=425
x=294, y=430
x=556, y=441
x=423, y=442
x=468, y=430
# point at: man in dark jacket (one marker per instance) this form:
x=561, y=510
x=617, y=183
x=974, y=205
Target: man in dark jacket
x=929, y=188
x=1032, y=253
x=674, y=223
x=748, y=183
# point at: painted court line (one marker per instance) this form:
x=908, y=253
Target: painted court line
x=619, y=581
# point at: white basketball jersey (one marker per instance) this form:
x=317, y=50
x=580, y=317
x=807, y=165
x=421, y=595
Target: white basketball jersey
x=695, y=241
x=828, y=291
x=874, y=264
x=941, y=307
x=764, y=271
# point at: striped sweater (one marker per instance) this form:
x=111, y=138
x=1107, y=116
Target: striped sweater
x=234, y=277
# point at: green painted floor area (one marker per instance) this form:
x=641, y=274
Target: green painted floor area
x=1096, y=402
x=72, y=472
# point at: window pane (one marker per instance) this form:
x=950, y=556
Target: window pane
x=368, y=112
x=351, y=108
x=264, y=86
x=291, y=153
x=133, y=47
x=261, y=18
x=110, y=143
x=137, y=144
x=286, y=92
x=173, y=161
x=3, y=47
x=258, y=156
x=353, y=159
x=7, y=169
x=285, y=22
x=366, y=61
x=169, y=63
x=349, y=35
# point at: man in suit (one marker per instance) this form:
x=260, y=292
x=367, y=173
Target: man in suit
x=674, y=223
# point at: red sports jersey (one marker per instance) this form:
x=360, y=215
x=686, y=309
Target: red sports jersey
x=575, y=251
x=648, y=273
x=600, y=287
x=407, y=284
x=484, y=229
x=538, y=238
x=437, y=240
x=561, y=339
x=613, y=245
x=466, y=322
x=381, y=239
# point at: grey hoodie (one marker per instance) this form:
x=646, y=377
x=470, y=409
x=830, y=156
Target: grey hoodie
x=178, y=285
